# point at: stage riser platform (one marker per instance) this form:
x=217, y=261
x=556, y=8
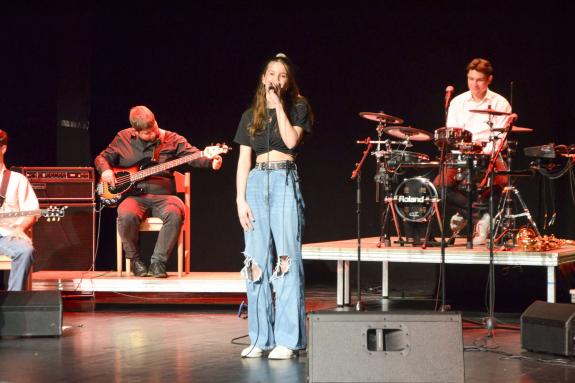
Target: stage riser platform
x=345, y=251
x=109, y=281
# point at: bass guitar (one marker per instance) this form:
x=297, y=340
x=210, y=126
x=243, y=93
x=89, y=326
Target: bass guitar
x=127, y=177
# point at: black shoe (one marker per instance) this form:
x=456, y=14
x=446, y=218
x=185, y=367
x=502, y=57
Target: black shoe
x=138, y=268
x=158, y=270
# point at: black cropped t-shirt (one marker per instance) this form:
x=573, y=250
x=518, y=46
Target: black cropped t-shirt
x=270, y=138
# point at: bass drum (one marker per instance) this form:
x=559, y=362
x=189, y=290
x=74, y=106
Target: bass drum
x=414, y=199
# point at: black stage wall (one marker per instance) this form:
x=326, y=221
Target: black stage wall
x=196, y=67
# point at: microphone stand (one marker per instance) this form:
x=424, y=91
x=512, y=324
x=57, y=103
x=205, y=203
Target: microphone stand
x=442, y=170
x=356, y=174
x=470, y=198
x=490, y=321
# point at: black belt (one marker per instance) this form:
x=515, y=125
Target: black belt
x=275, y=165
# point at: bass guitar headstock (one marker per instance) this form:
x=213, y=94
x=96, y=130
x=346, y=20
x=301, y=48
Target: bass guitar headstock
x=216, y=149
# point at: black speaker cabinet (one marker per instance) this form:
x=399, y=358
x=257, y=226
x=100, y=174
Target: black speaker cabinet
x=549, y=327
x=385, y=347
x=67, y=244
x=30, y=313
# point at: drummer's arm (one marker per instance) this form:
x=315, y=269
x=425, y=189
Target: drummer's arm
x=507, y=125
x=500, y=123
x=488, y=148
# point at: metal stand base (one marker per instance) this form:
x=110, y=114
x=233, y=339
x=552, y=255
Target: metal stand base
x=505, y=220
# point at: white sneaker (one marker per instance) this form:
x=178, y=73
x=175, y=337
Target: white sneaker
x=281, y=352
x=481, y=230
x=252, y=352
x=457, y=223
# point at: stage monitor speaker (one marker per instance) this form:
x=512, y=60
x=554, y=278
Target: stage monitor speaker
x=67, y=244
x=30, y=313
x=549, y=327
x=409, y=346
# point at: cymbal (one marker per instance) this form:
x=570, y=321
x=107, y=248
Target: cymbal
x=407, y=132
x=381, y=117
x=493, y=112
x=515, y=129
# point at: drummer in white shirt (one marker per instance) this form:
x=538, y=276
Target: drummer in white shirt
x=478, y=97
x=481, y=125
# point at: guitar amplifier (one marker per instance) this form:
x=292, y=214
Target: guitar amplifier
x=60, y=183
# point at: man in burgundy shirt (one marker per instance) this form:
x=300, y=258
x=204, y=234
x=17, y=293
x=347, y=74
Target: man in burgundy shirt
x=144, y=141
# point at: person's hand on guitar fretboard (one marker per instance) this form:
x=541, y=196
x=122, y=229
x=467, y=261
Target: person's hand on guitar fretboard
x=213, y=153
x=217, y=162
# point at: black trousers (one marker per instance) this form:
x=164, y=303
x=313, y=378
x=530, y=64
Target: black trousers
x=134, y=209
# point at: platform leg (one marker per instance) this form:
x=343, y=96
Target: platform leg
x=340, y=283
x=346, y=290
x=385, y=279
x=551, y=284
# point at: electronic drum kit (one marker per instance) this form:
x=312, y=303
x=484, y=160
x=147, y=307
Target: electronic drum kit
x=416, y=199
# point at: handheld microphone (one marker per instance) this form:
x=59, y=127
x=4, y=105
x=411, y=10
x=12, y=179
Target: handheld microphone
x=448, y=93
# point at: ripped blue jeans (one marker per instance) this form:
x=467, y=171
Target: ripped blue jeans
x=275, y=200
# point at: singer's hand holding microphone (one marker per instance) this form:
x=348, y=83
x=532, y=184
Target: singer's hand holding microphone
x=273, y=92
x=275, y=88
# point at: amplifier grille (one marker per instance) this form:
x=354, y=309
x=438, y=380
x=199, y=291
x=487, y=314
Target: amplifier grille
x=67, y=244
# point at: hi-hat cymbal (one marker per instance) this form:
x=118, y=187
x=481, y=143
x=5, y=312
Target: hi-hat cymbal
x=493, y=112
x=407, y=132
x=381, y=117
x=515, y=129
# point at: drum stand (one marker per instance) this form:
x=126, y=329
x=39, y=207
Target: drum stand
x=386, y=179
x=435, y=202
x=505, y=219
x=471, y=193
x=390, y=202
x=384, y=237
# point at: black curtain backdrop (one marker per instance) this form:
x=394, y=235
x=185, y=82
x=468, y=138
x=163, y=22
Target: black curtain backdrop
x=197, y=66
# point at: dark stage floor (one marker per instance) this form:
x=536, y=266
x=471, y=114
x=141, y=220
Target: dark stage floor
x=193, y=343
